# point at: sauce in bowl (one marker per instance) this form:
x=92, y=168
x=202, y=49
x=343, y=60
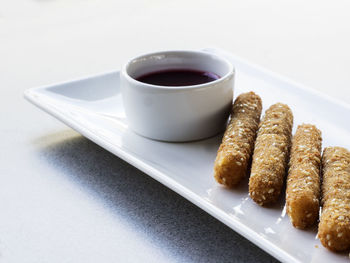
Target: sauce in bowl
x=178, y=77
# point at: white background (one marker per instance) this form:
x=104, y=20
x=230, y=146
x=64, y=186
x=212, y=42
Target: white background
x=44, y=41
x=60, y=200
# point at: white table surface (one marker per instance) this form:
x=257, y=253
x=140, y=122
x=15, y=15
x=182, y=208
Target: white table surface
x=65, y=199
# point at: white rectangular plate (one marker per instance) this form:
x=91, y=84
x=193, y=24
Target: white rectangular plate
x=93, y=107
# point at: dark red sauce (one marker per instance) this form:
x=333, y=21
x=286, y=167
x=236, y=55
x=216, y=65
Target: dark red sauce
x=178, y=77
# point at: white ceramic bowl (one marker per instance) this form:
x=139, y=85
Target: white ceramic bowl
x=181, y=113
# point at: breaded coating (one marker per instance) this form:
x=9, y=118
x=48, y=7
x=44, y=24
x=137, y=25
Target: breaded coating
x=271, y=154
x=334, y=227
x=234, y=154
x=303, y=183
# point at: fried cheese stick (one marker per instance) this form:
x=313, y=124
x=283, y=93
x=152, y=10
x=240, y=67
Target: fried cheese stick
x=271, y=154
x=334, y=227
x=234, y=154
x=303, y=183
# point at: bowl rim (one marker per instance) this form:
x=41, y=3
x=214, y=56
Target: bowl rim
x=125, y=74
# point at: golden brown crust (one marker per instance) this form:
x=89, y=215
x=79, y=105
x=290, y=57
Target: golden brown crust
x=237, y=145
x=303, y=183
x=271, y=154
x=334, y=227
